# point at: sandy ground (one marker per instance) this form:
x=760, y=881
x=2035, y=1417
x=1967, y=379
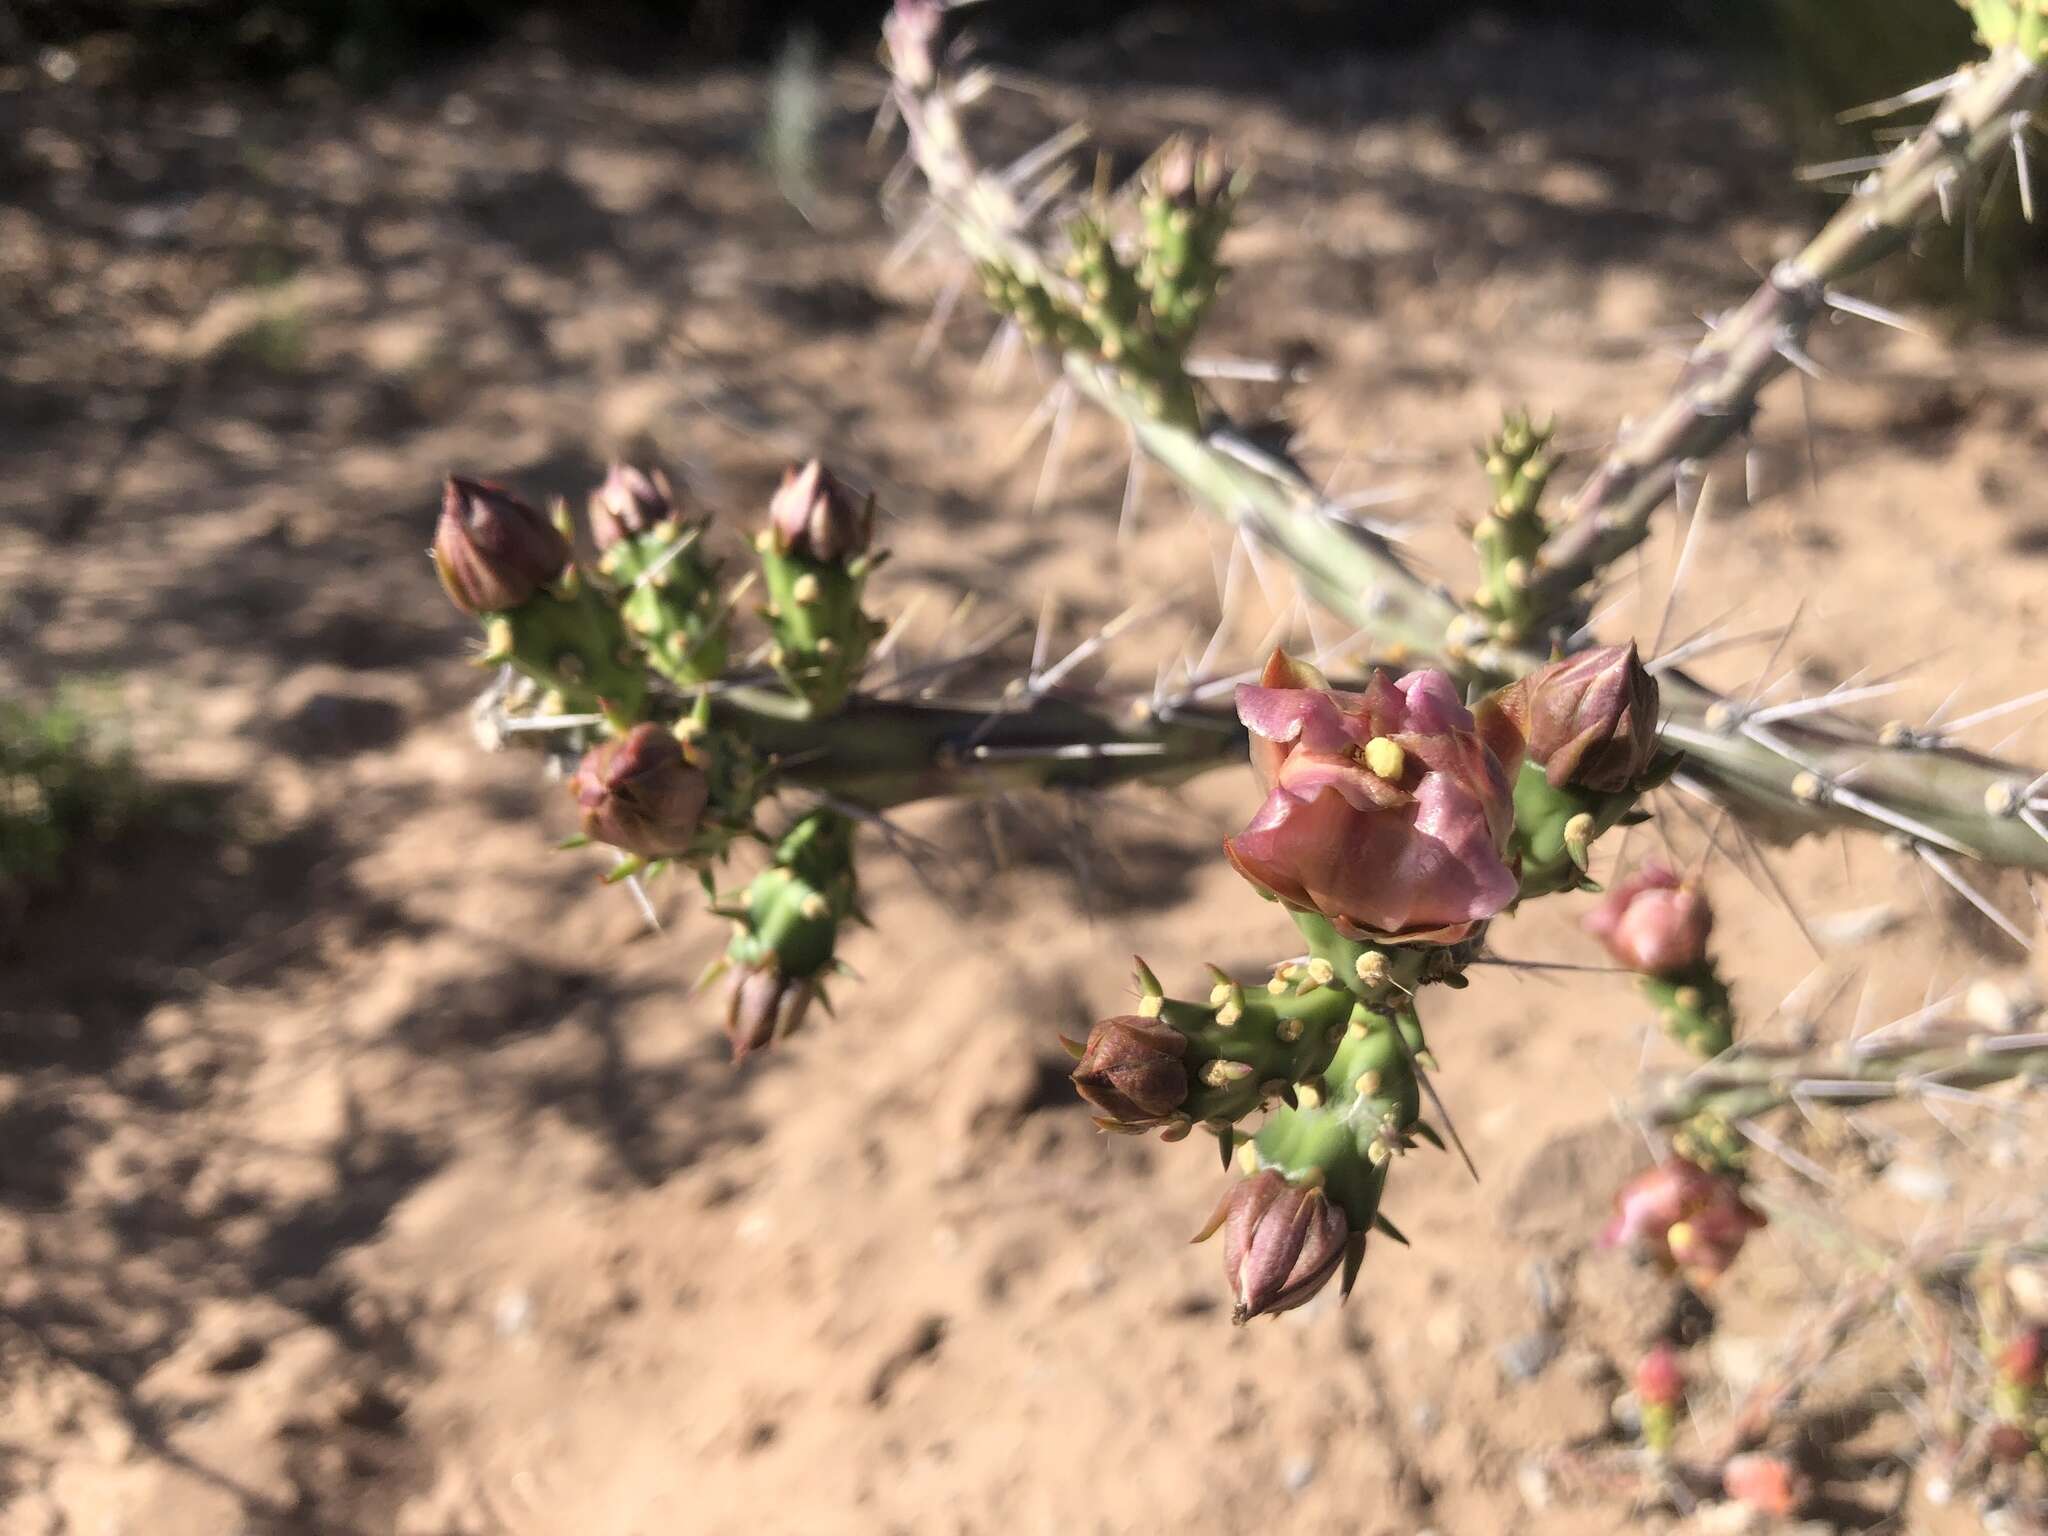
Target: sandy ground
x=370, y=1169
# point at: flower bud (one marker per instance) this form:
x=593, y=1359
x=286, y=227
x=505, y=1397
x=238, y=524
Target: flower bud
x=1131, y=1070
x=1653, y=923
x=1590, y=720
x=1189, y=175
x=762, y=1006
x=491, y=549
x=1659, y=1381
x=638, y=793
x=1684, y=1218
x=629, y=501
x=1281, y=1242
x=814, y=516
x=1768, y=1484
x=2020, y=1363
x=911, y=34
x=2009, y=1444
x=1386, y=811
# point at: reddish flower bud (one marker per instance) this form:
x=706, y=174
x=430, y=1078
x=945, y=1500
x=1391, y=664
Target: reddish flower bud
x=1683, y=1217
x=1660, y=1383
x=814, y=516
x=1281, y=1242
x=492, y=550
x=1768, y=1484
x=2009, y=1444
x=2020, y=1363
x=762, y=1006
x=1132, y=1071
x=1386, y=811
x=1590, y=719
x=629, y=501
x=638, y=793
x=1654, y=923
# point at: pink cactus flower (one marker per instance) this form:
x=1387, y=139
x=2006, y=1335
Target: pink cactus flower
x=1768, y=1484
x=1386, y=811
x=1654, y=923
x=1684, y=1218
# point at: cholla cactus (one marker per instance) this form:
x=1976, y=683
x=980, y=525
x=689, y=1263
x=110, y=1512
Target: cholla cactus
x=1397, y=814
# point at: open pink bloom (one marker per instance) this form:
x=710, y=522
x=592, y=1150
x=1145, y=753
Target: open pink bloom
x=1386, y=811
x=1653, y=923
x=1683, y=1217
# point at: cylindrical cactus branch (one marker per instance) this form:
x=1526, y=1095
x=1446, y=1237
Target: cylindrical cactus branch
x=1786, y=778
x=1762, y=1078
x=1716, y=394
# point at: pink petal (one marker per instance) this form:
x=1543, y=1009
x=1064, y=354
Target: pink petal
x=1434, y=705
x=1313, y=719
x=1306, y=774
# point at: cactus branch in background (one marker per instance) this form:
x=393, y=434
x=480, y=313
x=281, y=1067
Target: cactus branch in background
x=1785, y=778
x=1716, y=394
x=1762, y=1079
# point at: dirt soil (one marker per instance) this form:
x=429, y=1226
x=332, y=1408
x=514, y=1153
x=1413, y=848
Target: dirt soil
x=366, y=1166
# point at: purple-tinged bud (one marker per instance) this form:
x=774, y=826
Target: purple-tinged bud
x=762, y=1006
x=2009, y=1445
x=1132, y=1070
x=815, y=517
x=911, y=34
x=1189, y=175
x=1653, y=923
x=1590, y=720
x=639, y=793
x=492, y=550
x=1281, y=1243
x=629, y=501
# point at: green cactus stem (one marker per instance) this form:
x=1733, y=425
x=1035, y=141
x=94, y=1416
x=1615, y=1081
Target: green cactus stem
x=571, y=641
x=1509, y=538
x=1764, y=1078
x=670, y=602
x=1695, y=1009
x=1344, y=1132
x=1786, y=782
x=790, y=915
x=1716, y=395
x=822, y=634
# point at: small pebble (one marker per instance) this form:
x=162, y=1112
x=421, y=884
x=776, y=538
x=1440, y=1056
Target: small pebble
x=1523, y=1359
x=1533, y=1483
x=513, y=1313
x=1298, y=1474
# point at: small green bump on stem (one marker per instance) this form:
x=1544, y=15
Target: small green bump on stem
x=1289, y=1030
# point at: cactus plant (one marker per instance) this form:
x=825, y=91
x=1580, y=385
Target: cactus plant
x=1399, y=812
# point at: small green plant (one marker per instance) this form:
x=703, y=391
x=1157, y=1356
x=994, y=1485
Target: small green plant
x=66, y=780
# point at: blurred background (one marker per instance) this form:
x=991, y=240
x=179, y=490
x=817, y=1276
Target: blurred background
x=366, y=1167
